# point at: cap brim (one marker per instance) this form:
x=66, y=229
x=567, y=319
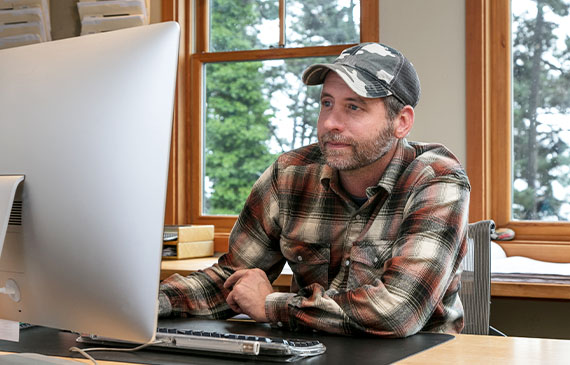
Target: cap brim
x=315, y=74
x=359, y=82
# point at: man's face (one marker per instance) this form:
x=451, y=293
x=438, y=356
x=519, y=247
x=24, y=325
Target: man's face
x=353, y=131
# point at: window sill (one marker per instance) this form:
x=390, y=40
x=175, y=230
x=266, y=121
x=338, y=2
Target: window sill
x=529, y=290
x=551, y=251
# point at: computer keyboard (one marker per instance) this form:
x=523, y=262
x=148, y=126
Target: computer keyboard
x=24, y=325
x=247, y=344
x=225, y=343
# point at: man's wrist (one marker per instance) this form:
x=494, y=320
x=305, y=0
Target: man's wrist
x=277, y=308
x=164, y=306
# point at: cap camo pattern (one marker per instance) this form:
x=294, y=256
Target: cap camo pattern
x=372, y=70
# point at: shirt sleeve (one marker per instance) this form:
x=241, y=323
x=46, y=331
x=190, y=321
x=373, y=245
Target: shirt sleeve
x=415, y=280
x=254, y=243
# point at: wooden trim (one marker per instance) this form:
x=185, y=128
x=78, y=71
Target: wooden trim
x=270, y=54
x=202, y=26
x=167, y=14
x=530, y=290
x=540, y=231
x=500, y=74
x=177, y=192
x=369, y=25
x=184, y=138
x=488, y=101
x=167, y=10
x=477, y=104
x=282, y=24
x=550, y=251
x=195, y=161
x=221, y=242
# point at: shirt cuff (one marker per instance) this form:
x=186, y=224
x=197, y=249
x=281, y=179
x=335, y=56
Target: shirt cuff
x=164, y=306
x=277, y=308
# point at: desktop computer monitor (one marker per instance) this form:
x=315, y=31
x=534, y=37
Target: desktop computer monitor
x=86, y=124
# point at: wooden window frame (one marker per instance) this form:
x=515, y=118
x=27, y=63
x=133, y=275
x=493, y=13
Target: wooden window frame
x=488, y=93
x=177, y=197
x=184, y=200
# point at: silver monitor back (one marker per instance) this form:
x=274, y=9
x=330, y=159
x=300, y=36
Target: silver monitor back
x=88, y=122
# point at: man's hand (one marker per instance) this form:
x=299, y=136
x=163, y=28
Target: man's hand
x=248, y=291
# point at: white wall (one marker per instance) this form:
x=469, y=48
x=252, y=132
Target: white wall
x=431, y=34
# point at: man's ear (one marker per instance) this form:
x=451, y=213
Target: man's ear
x=404, y=122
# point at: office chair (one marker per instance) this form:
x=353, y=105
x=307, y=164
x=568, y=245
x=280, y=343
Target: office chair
x=475, y=290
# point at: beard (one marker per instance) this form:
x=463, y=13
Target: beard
x=364, y=152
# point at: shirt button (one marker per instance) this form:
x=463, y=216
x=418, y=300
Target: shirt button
x=375, y=259
x=280, y=324
x=347, y=262
x=299, y=258
x=357, y=217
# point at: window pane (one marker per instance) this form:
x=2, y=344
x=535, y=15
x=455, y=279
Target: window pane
x=254, y=111
x=541, y=110
x=322, y=22
x=237, y=25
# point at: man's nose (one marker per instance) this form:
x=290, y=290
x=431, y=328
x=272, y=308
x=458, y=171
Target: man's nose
x=332, y=120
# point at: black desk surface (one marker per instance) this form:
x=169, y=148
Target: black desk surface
x=340, y=349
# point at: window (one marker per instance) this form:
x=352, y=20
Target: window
x=541, y=110
x=247, y=101
x=517, y=80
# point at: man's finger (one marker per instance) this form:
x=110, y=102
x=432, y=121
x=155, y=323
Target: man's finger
x=232, y=303
x=234, y=278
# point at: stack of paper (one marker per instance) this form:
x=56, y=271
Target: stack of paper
x=24, y=22
x=193, y=241
x=518, y=268
x=105, y=15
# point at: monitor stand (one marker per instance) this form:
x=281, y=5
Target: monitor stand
x=8, y=186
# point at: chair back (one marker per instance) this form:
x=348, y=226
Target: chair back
x=475, y=290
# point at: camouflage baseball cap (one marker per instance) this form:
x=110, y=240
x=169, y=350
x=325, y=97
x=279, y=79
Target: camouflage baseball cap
x=372, y=70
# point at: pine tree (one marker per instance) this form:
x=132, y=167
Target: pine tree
x=540, y=86
x=238, y=112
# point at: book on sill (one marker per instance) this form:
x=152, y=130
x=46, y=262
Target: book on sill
x=188, y=241
x=187, y=250
x=191, y=233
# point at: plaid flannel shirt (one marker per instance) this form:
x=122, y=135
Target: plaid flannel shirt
x=388, y=267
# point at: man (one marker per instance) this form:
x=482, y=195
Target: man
x=372, y=226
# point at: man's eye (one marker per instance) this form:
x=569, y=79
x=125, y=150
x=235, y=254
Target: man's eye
x=353, y=107
x=326, y=103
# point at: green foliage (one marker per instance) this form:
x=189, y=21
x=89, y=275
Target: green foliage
x=237, y=117
x=241, y=123
x=540, y=86
x=322, y=23
x=318, y=22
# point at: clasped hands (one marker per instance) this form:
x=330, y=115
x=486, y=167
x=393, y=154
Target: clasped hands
x=248, y=289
